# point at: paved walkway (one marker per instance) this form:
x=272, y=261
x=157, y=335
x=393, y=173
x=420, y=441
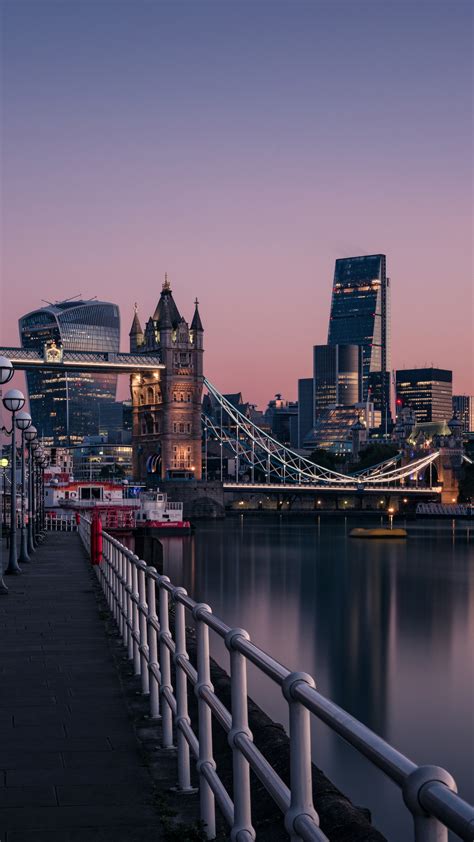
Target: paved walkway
x=70, y=765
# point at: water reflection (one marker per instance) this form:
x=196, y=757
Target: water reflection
x=386, y=628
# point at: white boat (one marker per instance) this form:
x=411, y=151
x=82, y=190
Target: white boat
x=157, y=512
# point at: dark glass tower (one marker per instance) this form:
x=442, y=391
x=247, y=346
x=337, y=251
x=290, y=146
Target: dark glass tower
x=65, y=407
x=336, y=375
x=360, y=315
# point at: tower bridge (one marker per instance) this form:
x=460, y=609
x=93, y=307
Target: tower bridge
x=172, y=433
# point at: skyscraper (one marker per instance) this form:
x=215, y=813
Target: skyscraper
x=428, y=391
x=336, y=375
x=360, y=315
x=463, y=405
x=65, y=406
x=305, y=408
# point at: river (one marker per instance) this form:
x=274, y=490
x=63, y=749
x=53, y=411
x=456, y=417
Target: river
x=385, y=627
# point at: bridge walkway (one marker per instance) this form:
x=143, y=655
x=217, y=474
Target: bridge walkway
x=70, y=764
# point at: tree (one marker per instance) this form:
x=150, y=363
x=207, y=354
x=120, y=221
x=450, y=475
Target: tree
x=466, y=485
x=326, y=459
x=375, y=453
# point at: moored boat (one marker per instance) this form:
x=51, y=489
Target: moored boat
x=157, y=512
x=378, y=532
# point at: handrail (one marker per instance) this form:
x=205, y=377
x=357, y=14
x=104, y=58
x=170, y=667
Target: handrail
x=138, y=597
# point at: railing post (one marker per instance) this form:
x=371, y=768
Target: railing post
x=135, y=618
x=165, y=663
x=427, y=828
x=300, y=756
x=143, y=613
x=184, y=769
x=129, y=616
x=206, y=796
x=123, y=597
x=153, y=646
x=242, y=828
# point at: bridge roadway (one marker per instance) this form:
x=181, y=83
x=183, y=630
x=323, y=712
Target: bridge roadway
x=312, y=488
x=70, y=765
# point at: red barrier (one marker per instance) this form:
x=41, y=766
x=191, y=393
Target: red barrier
x=96, y=539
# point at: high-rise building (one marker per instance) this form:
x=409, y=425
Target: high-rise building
x=336, y=375
x=463, y=406
x=65, y=406
x=305, y=409
x=360, y=315
x=427, y=391
x=278, y=415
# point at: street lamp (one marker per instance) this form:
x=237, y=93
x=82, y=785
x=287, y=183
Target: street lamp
x=23, y=421
x=6, y=370
x=30, y=436
x=6, y=374
x=13, y=401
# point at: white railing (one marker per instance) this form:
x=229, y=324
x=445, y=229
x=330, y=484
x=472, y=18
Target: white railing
x=60, y=523
x=138, y=598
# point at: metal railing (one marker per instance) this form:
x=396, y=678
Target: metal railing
x=60, y=523
x=138, y=598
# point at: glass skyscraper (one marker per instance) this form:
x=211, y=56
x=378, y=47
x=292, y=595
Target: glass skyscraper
x=65, y=407
x=360, y=315
x=336, y=375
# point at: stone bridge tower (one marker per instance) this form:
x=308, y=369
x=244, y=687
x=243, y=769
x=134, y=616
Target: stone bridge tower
x=450, y=461
x=166, y=404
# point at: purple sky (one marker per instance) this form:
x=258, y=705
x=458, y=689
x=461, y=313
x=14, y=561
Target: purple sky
x=242, y=147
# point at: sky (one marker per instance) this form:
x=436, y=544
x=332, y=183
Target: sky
x=241, y=147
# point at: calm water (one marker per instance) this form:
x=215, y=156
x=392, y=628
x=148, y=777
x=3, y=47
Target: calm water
x=386, y=629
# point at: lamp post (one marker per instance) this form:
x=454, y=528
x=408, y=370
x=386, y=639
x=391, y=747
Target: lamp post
x=30, y=436
x=13, y=401
x=23, y=422
x=6, y=374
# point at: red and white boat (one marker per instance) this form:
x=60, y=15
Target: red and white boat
x=157, y=512
x=64, y=496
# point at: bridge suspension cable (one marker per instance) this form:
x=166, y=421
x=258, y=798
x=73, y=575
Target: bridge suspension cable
x=264, y=454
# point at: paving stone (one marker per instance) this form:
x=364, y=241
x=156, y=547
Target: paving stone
x=70, y=764
x=27, y=796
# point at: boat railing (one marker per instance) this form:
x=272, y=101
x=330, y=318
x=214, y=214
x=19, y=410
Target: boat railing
x=60, y=523
x=139, y=600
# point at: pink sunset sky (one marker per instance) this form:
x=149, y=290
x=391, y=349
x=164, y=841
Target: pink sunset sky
x=242, y=148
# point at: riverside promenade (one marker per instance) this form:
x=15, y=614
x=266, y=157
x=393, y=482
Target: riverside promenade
x=71, y=767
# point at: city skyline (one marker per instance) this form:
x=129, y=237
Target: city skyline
x=244, y=185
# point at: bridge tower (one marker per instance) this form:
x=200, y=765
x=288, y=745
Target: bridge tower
x=166, y=405
x=450, y=461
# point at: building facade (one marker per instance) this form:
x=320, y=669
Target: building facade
x=337, y=376
x=427, y=391
x=360, y=315
x=166, y=404
x=463, y=406
x=65, y=406
x=305, y=408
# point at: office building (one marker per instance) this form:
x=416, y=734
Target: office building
x=463, y=406
x=305, y=410
x=427, y=391
x=360, y=315
x=65, y=405
x=336, y=375
x=334, y=428
x=278, y=415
